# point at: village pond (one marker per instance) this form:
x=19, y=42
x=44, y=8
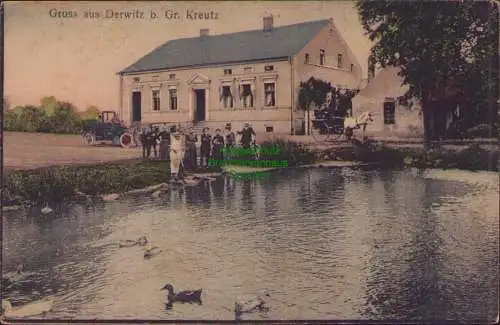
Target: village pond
x=324, y=243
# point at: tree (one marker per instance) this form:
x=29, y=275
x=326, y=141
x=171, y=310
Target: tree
x=48, y=105
x=91, y=113
x=6, y=104
x=439, y=47
x=312, y=94
x=31, y=118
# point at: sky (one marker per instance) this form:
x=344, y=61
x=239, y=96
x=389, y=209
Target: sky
x=76, y=58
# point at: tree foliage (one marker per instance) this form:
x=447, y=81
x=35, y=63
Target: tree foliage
x=446, y=50
x=51, y=116
x=313, y=94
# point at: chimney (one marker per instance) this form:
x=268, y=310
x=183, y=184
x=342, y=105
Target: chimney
x=268, y=23
x=204, y=32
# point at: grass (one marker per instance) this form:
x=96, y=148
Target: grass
x=62, y=183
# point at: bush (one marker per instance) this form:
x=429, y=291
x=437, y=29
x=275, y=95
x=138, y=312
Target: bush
x=471, y=158
x=51, y=116
x=293, y=152
x=482, y=131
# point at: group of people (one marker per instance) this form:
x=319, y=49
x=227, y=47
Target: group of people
x=156, y=140
x=183, y=149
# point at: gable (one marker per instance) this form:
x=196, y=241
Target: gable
x=198, y=79
x=328, y=37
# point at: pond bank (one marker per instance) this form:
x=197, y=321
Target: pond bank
x=111, y=181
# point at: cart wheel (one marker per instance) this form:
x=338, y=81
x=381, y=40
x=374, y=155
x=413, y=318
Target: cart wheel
x=322, y=133
x=89, y=138
x=336, y=134
x=126, y=140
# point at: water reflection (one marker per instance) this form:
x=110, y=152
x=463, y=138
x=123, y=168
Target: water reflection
x=341, y=244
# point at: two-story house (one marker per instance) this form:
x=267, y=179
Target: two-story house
x=251, y=76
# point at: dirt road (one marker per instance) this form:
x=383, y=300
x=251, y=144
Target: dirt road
x=32, y=150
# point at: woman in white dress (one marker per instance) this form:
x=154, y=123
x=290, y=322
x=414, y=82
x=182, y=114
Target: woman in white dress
x=177, y=151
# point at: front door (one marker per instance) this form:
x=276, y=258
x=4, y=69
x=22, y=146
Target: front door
x=200, y=105
x=136, y=106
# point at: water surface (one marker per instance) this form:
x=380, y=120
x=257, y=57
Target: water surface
x=325, y=243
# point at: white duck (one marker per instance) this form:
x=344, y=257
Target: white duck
x=251, y=304
x=46, y=209
x=31, y=309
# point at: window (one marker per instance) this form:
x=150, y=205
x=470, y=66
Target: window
x=340, y=64
x=306, y=58
x=270, y=93
x=269, y=129
x=226, y=97
x=321, y=57
x=269, y=68
x=172, y=94
x=171, y=76
x=389, y=112
x=156, y=100
x=248, y=69
x=352, y=67
x=137, y=79
x=246, y=95
x=228, y=72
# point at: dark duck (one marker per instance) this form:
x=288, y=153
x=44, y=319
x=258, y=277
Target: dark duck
x=182, y=296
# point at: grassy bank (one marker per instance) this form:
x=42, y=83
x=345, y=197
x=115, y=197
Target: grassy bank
x=54, y=185
x=64, y=183
x=473, y=157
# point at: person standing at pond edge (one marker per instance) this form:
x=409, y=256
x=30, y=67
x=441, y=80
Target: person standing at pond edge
x=177, y=150
x=230, y=140
x=246, y=136
x=218, y=144
x=164, y=144
x=206, y=140
x=190, y=158
x=155, y=141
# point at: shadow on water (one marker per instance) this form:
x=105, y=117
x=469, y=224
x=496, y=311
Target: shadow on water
x=325, y=243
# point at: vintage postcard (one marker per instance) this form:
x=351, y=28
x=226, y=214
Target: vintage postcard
x=250, y=161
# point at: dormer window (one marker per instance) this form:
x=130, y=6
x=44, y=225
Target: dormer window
x=321, y=57
x=306, y=58
x=339, y=61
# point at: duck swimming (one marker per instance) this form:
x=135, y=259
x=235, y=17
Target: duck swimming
x=46, y=209
x=153, y=251
x=250, y=305
x=182, y=296
x=12, y=277
x=142, y=241
x=31, y=309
